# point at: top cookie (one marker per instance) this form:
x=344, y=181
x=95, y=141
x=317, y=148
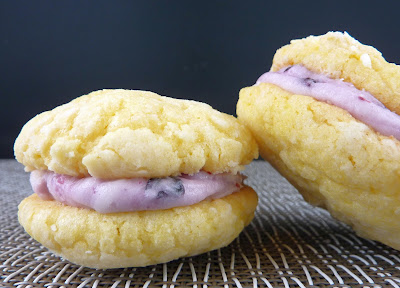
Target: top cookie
x=124, y=133
x=340, y=56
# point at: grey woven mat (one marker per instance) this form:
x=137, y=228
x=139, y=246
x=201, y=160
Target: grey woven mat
x=289, y=244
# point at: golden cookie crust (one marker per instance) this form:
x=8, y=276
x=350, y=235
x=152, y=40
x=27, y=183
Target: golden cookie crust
x=340, y=56
x=334, y=160
x=126, y=133
x=142, y=238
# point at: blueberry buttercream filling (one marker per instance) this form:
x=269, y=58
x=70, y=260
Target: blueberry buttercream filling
x=360, y=104
x=136, y=194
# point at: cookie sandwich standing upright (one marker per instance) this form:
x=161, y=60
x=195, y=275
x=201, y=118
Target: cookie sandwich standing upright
x=327, y=117
x=130, y=178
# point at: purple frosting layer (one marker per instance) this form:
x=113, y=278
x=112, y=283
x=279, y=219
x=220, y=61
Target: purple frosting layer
x=123, y=195
x=360, y=104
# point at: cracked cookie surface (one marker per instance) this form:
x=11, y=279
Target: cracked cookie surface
x=124, y=133
x=141, y=238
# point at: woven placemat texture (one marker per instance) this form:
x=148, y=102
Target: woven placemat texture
x=289, y=244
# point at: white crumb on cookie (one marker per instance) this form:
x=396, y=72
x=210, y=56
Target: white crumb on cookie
x=366, y=60
x=354, y=48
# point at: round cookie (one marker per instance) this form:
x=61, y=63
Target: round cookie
x=141, y=238
x=123, y=134
x=334, y=160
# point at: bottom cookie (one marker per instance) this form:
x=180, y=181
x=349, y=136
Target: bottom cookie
x=134, y=239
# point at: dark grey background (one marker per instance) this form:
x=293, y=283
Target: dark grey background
x=52, y=52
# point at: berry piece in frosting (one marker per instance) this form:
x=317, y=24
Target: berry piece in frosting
x=164, y=187
x=309, y=81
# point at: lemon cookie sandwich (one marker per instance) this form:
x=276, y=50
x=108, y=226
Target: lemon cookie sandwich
x=327, y=117
x=130, y=178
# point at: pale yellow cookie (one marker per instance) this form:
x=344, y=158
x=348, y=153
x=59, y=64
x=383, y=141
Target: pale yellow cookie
x=123, y=134
x=334, y=160
x=142, y=238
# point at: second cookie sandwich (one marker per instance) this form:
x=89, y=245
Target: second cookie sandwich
x=327, y=117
